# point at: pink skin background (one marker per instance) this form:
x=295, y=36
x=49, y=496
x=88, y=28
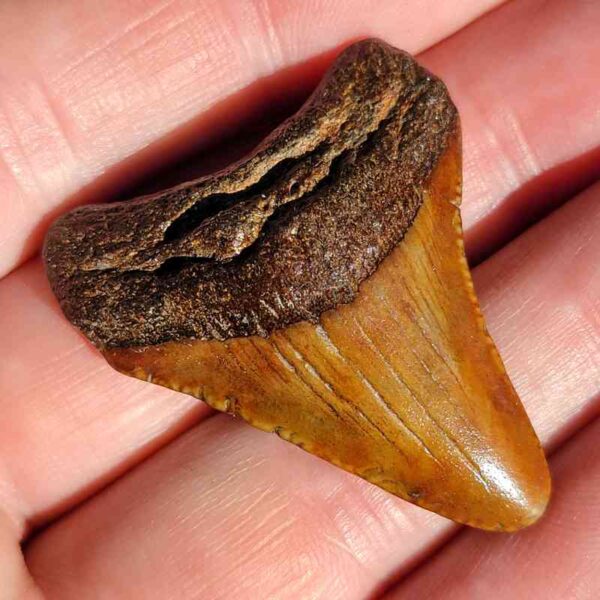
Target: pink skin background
x=112, y=488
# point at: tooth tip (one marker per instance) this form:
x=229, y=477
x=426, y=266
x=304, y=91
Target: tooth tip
x=516, y=518
x=514, y=511
x=533, y=509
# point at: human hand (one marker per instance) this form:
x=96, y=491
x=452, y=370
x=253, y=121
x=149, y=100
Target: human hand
x=138, y=492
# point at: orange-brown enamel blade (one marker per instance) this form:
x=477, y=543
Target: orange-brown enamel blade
x=403, y=386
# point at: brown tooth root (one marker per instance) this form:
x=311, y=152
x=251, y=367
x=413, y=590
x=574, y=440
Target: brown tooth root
x=319, y=289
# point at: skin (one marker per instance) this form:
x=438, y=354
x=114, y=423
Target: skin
x=140, y=493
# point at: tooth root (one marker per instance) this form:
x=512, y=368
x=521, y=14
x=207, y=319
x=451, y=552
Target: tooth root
x=402, y=387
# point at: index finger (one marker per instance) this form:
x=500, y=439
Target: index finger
x=87, y=85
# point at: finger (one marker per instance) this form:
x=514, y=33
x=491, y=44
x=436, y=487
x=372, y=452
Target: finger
x=87, y=86
x=558, y=281
x=238, y=513
x=557, y=559
x=67, y=407
x=119, y=420
x=522, y=83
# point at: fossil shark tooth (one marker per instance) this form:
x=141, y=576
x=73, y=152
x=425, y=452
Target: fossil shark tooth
x=319, y=289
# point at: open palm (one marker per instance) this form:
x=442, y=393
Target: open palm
x=113, y=488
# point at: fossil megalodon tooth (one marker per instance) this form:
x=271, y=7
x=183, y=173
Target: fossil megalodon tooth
x=319, y=289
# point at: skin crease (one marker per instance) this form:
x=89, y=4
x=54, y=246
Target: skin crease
x=82, y=424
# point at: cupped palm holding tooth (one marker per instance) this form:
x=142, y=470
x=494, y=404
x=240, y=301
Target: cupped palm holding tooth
x=236, y=512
